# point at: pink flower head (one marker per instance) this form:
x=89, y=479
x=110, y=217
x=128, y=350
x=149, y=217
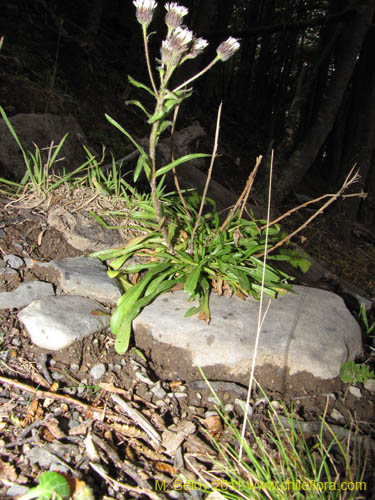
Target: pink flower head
x=197, y=47
x=226, y=49
x=145, y=11
x=175, y=13
x=176, y=45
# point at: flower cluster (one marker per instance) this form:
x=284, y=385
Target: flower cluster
x=180, y=43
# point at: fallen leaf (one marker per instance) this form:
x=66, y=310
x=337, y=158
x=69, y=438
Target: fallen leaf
x=213, y=425
x=165, y=468
x=52, y=425
x=34, y=412
x=91, y=449
x=7, y=471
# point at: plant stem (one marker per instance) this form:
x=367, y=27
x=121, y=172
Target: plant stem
x=155, y=198
x=208, y=178
x=145, y=44
x=175, y=178
x=209, y=66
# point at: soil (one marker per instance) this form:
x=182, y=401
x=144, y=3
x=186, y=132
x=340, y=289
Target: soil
x=25, y=424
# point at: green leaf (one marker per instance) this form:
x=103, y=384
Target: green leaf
x=192, y=280
x=143, y=163
x=54, y=483
x=304, y=265
x=140, y=85
x=352, y=372
x=140, y=354
x=139, y=105
x=156, y=117
x=122, y=130
x=130, y=311
x=192, y=311
x=183, y=159
x=119, y=261
x=123, y=337
x=127, y=307
x=163, y=126
x=50, y=485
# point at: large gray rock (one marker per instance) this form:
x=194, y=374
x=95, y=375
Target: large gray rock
x=308, y=331
x=40, y=129
x=54, y=323
x=82, y=231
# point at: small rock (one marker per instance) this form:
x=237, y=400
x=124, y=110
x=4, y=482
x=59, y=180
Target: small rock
x=355, y=391
x=180, y=395
x=97, y=371
x=276, y=405
x=81, y=388
x=86, y=277
x=330, y=395
x=41, y=456
x=56, y=322
x=143, y=378
x=14, y=261
x=4, y=356
x=211, y=413
x=158, y=391
x=17, y=490
x=370, y=384
x=9, y=272
x=25, y=294
x=336, y=415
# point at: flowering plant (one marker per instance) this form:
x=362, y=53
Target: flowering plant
x=183, y=247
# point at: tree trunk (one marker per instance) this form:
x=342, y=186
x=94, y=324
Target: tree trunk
x=289, y=171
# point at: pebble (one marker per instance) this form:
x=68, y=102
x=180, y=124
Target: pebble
x=370, y=385
x=14, y=261
x=158, y=391
x=336, y=415
x=355, y=391
x=97, y=371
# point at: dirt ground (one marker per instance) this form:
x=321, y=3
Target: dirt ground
x=50, y=401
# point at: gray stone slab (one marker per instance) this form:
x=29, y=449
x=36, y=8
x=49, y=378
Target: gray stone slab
x=310, y=330
x=25, y=294
x=86, y=277
x=54, y=323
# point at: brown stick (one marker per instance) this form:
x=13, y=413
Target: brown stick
x=208, y=177
x=97, y=412
x=243, y=196
x=333, y=197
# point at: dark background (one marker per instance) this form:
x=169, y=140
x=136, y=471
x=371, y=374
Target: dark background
x=302, y=83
